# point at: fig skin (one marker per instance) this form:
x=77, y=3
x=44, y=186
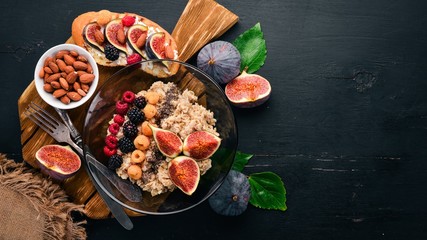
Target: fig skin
x=201, y=145
x=220, y=60
x=248, y=90
x=155, y=46
x=232, y=198
x=58, y=155
x=184, y=173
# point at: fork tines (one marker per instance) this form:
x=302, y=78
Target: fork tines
x=41, y=117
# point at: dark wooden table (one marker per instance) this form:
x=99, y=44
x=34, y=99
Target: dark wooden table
x=345, y=127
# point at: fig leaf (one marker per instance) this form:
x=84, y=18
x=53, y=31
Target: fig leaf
x=252, y=48
x=240, y=161
x=267, y=191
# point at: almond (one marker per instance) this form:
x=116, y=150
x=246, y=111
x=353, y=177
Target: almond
x=82, y=59
x=48, y=88
x=85, y=87
x=141, y=40
x=81, y=92
x=54, y=67
x=76, y=86
x=64, y=83
x=68, y=69
x=89, y=68
x=53, y=77
x=46, y=76
x=71, y=77
x=81, y=73
x=48, y=70
x=74, y=96
x=68, y=59
x=55, y=85
x=74, y=53
x=65, y=99
x=60, y=54
x=99, y=36
x=121, y=36
x=41, y=73
x=47, y=60
x=64, y=74
x=59, y=93
x=169, y=52
x=61, y=64
x=87, y=78
x=79, y=65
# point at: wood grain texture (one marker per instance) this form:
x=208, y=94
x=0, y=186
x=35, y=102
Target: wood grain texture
x=79, y=187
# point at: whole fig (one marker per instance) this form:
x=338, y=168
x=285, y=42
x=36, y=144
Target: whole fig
x=220, y=60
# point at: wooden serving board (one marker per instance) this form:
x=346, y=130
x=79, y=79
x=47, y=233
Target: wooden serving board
x=200, y=22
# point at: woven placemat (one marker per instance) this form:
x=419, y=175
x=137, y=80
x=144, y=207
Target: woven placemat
x=33, y=207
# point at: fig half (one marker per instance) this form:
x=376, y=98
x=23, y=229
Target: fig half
x=58, y=161
x=112, y=34
x=201, y=145
x=167, y=142
x=248, y=90
x=136, y=37
x=89, y=35
x=184, y=173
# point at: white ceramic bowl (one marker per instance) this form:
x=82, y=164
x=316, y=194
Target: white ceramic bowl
x=48, y=97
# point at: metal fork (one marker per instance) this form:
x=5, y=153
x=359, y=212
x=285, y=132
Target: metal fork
x=61, y=133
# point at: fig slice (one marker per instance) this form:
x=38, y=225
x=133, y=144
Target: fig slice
x=89, y=35
x=184, y=173
x=133, y=35
x=248, y=90
x=167, y=142
x=58, y=161
x=155, y=46
x=111, y=34
x=201, y=145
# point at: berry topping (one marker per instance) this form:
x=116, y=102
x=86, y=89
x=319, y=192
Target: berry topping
x=114, y=128
x=119, y=119
x=128, y=97
x=115, y=161
x=135, y=115
x=121, y=107
x=128, y=21
x=111, y=52
x=126, y=145
x=129, y=129
x=109, y=151
x=140, y=102
x=134, y=58
x=111, y=141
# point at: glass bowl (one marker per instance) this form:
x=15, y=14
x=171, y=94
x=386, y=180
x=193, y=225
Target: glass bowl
x=211, y=96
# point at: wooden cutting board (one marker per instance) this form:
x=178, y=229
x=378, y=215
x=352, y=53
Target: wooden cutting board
x=200, y=22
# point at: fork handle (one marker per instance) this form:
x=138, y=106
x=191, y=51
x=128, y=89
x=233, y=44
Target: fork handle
x=75, y=135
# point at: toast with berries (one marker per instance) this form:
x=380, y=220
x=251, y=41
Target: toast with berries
x=120, y=39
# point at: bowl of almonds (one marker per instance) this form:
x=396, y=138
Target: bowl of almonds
x=66, y=76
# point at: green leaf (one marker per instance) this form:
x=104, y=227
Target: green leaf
x=240, y=161
x=267, y=191
x=251, y=45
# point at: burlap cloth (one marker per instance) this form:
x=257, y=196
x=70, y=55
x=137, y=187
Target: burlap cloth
x=32, y=207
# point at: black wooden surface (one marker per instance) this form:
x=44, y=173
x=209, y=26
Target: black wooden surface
x=345, y=127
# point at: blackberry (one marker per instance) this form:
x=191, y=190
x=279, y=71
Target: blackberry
x=140, y=102
x=129, y=129
x=135, y=115
x=115, y=161
x=126, y=145
x=111, y=53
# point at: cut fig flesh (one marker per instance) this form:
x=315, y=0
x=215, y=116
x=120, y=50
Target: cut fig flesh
x=58, y=161
x=184, y=173
x=201, y=145
x=167, y=142
x=111, y=31
x=89, y=35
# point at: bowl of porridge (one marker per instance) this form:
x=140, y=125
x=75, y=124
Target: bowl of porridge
x=173, y=135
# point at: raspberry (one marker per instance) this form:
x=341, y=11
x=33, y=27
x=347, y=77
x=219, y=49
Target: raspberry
x=109, y=152
x=121, y=107
x=134, y=58
x=140, y=102
x=119, y=119
x=135, y=115
x=115, y=161
x=128, y=21
x=129, y=129
x=111, y=141
x=128, y=97
x=126, y=145
x=111, y=52
x=114, y=128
